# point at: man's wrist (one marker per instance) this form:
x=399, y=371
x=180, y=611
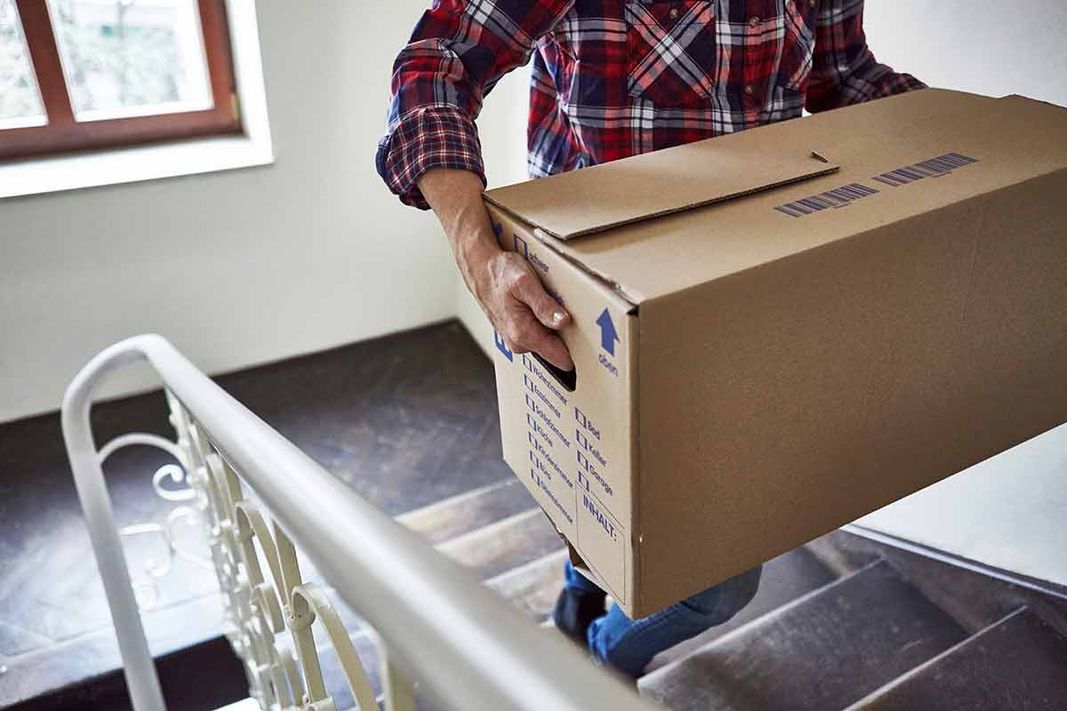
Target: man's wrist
x=475, y=247
x=456, y=197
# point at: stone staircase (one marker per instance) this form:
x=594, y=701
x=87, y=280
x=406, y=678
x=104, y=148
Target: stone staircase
x=840, y=622
x=1020, y=647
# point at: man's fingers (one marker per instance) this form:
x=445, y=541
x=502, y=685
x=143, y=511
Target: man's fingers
x=527, y=334
x=555, y=351
x=529, y=290
x=530, y=316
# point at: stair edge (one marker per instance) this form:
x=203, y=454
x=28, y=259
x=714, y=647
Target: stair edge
x=487, y=529
x=452, y=500
x=916, y=670
x=770, y=614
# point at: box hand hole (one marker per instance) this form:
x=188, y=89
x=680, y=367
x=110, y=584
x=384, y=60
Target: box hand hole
x=567, y=378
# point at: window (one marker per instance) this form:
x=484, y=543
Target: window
x=78, y=74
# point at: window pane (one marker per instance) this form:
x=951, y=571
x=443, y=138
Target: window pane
x=131, y=57
x=20, y=102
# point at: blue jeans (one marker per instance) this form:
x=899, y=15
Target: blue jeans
x=629, y=645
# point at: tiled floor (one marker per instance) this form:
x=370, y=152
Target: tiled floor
x=406, y=420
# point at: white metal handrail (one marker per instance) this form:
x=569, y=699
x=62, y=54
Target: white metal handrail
x=466, y=647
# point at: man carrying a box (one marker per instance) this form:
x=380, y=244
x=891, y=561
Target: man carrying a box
x=611, y=79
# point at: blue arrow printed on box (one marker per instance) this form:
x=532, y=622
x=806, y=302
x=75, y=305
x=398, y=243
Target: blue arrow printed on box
x=608, y=335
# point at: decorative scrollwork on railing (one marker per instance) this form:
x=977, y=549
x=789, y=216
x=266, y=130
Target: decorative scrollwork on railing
x=269, y=620
x=176, y=474
x=170, y=484
x=473, y=652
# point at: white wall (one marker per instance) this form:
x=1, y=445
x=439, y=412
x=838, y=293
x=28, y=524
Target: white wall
x=983, y=46
x=244, y=266
x=1008, y=512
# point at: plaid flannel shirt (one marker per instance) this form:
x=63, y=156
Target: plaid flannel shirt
x=615, y=78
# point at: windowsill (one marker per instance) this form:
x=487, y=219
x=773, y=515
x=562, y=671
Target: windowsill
x=188, y=157
x=128, y=165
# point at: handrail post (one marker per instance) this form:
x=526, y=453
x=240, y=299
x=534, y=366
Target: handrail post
x=141, y=678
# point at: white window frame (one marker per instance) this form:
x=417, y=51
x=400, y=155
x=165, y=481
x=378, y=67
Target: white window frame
x=113, y=166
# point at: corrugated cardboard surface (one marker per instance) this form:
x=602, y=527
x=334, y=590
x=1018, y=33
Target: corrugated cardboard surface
x=796, y=367
x=572, y=450
x=703, y=244
x=842, y=379
x=586, y=201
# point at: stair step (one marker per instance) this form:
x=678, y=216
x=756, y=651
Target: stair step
x=219, y=680
x=513, y=532
x=784, y=579
x=454, y=517
x=533, y=587
x=838, y=551
x=824, y=650
x=1019, y=662
x=520, y=557
x=85, y=664
x=466, y=512
x=973, y=599
x=505, y=544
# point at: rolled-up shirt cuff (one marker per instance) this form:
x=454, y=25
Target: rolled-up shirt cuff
x=435, y=137
x=897, y=84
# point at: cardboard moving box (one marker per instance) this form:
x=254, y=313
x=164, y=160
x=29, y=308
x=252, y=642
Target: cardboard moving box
x=779, y=331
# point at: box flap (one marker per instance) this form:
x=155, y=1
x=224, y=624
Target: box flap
x=601, y=197
x=654, y=258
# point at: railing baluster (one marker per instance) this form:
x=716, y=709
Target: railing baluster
x=397, y=688
x=290, y=566
x=301, y=615
x=351, y=665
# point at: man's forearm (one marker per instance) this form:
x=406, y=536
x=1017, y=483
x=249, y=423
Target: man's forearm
x=456, y=199
x=505, y=285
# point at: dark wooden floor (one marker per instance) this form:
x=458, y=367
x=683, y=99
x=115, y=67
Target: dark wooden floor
x=406, y=420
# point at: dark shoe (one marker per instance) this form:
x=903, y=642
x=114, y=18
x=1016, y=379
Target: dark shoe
x=575, y=611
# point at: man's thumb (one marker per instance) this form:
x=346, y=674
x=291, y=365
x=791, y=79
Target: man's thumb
x=547, y=310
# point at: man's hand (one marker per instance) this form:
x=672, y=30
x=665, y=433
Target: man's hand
x=506, y=287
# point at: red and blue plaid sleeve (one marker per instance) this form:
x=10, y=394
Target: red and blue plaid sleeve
x=457, y=53
x=844, y=71
x=433, y=137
